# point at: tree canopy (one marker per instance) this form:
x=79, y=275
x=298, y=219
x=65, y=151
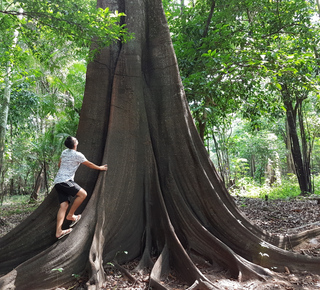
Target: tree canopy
x=257, y=58
x=44, y=27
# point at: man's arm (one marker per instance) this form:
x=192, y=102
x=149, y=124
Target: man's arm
x=93, y=166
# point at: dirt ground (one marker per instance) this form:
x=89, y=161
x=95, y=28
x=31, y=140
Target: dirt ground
x=276, y=216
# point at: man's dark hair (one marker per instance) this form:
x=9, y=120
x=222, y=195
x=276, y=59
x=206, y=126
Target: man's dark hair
x=70, y=142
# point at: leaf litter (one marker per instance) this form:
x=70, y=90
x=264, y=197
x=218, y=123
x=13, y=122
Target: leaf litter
x=275, y=216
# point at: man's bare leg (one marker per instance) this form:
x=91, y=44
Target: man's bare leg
x=81, y=195
x=60, y=217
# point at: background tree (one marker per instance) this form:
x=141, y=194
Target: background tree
x=251, y=53
x=161, y=199
x=44, y=108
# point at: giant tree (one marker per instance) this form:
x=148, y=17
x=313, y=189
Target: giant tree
x=161, y=200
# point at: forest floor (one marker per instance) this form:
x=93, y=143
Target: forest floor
x=274, y=216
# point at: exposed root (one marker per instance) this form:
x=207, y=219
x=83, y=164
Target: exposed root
x=125, y=272
x=202, y=285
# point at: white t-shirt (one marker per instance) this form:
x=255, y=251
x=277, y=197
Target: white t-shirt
x=70, y=161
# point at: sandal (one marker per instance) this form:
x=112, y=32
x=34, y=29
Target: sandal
x=78, y=217
x=64, y=233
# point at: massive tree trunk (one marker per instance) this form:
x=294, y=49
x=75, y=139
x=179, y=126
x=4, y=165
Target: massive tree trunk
x=161, y=199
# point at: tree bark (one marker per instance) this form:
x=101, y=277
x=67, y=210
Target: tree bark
x=4, y=111
x=306, y=149
x=5, y=102
x=38, y=184
x=161, y=199
x=290, y=162
x=302, y=175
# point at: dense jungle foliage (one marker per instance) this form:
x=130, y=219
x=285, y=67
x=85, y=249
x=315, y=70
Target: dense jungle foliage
x=250, y=71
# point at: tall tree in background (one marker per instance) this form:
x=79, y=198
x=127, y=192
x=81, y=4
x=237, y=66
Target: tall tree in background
x=10, y=38
x=257, y=57
x=161, y=200
x=288, y=46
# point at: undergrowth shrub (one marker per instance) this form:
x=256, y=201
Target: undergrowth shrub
x=289, y=188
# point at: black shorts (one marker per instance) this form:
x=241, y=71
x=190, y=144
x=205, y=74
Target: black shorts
x=66, y=190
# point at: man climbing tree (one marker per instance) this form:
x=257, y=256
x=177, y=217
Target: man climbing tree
x=66, y=187
x=162, y=200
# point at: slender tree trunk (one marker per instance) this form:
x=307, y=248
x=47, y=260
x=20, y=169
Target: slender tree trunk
x=294, y=141
x=206, y=29
x=290, y=162
x=202, y=128
x=2, y=191
x=252, y=165
x=219, y=158
x=225, y=155
x=45, y=173
x=4, y=110
x=223, y=159
x=305, y=149
x=38, y=184
x=4, y=105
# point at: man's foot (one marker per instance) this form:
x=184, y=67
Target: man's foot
x=75, y=220
x=64, y=233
